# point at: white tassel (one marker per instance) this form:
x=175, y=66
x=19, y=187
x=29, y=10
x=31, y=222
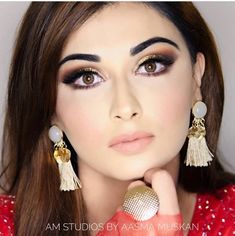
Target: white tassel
x=198, y=153
x=68, y=178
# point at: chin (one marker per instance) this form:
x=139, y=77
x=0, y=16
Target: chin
x=131, y=173
x=137, y=172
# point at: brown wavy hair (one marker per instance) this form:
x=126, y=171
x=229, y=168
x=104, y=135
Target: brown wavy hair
x=29, y=170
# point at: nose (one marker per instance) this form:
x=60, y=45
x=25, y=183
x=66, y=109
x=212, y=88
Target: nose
x=125, y=104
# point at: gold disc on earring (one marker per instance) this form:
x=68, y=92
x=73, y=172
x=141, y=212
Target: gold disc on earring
x=62, y=154
x=141, y=202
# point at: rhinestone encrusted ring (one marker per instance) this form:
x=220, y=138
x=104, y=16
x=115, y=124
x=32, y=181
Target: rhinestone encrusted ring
x=141, y=202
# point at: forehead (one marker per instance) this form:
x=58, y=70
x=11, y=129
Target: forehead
x=119, y=27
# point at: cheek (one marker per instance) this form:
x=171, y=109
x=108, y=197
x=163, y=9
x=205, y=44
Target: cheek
x=176, y=120
x=79, y=120
x=172, y=115
x=175, y=98
x=175, y=108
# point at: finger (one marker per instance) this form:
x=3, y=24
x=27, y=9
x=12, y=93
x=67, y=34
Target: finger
x=135, y=184
x=163, y=184
x=130, y=186
x=149, y=173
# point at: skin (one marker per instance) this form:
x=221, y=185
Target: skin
x=90, y=118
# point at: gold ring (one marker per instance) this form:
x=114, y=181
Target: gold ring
x=141, y=202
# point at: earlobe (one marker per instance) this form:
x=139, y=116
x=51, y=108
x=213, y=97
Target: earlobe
x=199, y=68
x=54, y=120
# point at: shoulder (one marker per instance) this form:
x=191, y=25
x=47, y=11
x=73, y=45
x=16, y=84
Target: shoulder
x=7, y=205
x=222, y=198
x=215, y=212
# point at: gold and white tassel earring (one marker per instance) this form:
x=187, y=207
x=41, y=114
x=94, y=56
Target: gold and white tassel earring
x=68, y=178
x=198, y=153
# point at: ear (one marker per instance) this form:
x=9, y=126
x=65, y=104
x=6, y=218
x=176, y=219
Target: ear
x=198, y=71
x=55, y=121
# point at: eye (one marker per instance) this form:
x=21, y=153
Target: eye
x=154, y=65
x=83, y=78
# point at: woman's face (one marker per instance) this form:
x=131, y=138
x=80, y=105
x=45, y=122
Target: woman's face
x=138, y=77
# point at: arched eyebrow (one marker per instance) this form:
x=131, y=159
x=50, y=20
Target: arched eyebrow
x=80, y=56
x=133, y=51
x=140, y=47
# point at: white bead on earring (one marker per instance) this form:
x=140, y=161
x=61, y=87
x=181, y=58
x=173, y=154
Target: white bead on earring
x=55, y=134
x=69, y=180
x=199, y=109
x=198, y=153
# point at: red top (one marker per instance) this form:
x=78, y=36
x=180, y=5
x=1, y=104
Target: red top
x=6, y=215
x=212, y=216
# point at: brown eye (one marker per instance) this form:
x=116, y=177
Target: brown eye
x=150, y=67
x=154, y=65
x=83, y=79
x=88, y=78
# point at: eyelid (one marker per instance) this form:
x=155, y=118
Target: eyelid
x=142, y=60
x=67, y=75
x=146, y=58
x=87, y=69
x=156, y=56
x=72, y=78
x=90, y=69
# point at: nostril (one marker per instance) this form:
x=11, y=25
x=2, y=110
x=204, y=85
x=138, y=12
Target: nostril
x=125, y=117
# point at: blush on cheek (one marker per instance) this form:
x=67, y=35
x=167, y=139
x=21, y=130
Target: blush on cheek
x=173, y=118
x=81, y=128
x=175, y=107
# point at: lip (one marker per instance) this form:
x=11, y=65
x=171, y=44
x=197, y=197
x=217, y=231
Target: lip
x=131, y=143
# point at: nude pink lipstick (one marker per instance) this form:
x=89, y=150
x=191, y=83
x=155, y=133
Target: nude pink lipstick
x=131, y=143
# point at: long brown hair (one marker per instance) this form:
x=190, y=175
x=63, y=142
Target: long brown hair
x=30, y=171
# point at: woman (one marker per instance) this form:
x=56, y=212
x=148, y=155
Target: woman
x=117, y=93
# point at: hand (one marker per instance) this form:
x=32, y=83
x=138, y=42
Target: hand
x=166, y=222
x=163, y=184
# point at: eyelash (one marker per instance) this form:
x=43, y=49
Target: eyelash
x=75, y=75
x=164, y=61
